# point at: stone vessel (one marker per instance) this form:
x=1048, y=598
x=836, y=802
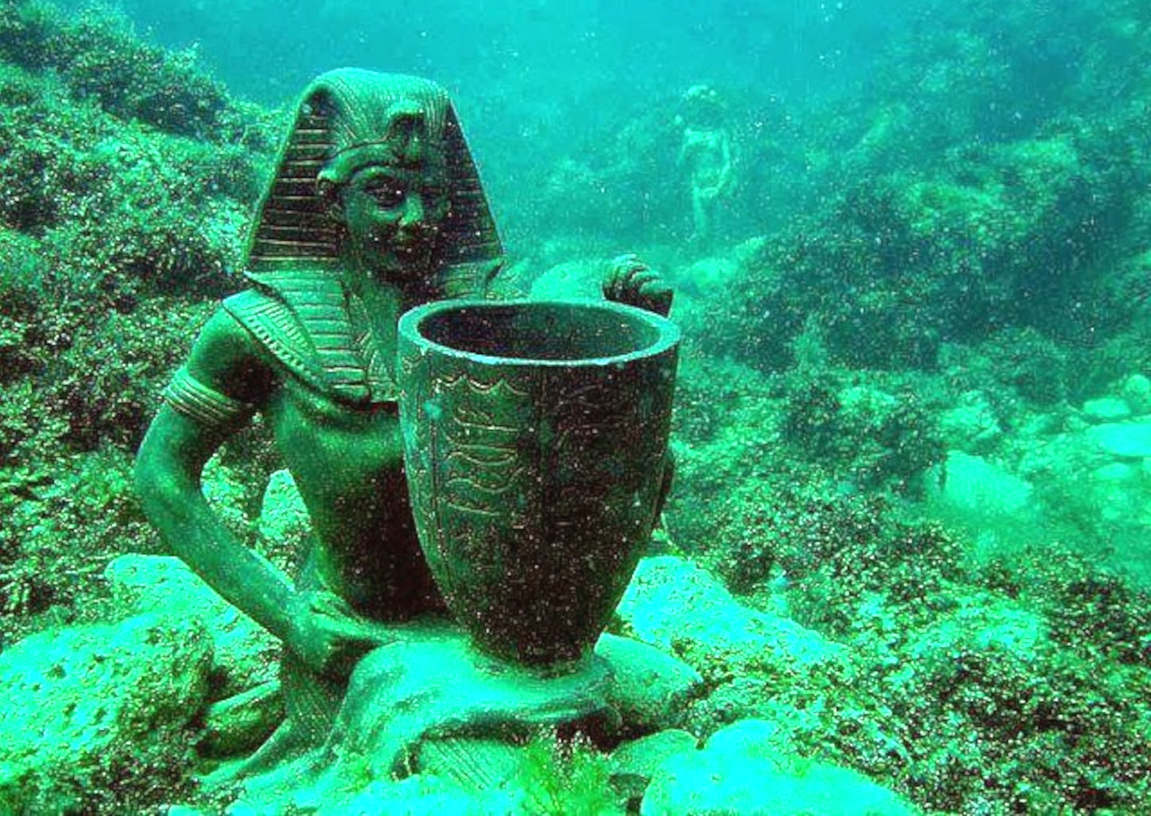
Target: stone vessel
x=535, y=438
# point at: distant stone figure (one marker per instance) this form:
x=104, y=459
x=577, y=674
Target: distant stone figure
x=706, y=154
x=375, y=207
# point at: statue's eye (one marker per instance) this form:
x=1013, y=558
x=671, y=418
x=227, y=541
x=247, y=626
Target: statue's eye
x=388, y=196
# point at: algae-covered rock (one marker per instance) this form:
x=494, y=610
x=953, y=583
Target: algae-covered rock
x=712, y=274
x=976, y=486
x=971, y=425
x=1106, y=409
x=990, y=665
x=634, y=763
x=1124, y=440
x=284, y=524
x=245, y=655
x=678, y=606
x=749, y=768
x=283, y=515
x=571, y=280
x=87, y=706
x=650, y=688
x=1136, y=392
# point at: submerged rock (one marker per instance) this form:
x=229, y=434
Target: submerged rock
x=283, y=515
x=244, y=654
x=747, y=656
x=683, y=609
x=1136, y=392
x=650, y=688
x=971, y=425
x=712, y=274
x=1124, y=440
x=635, y=763
x=87, y=704
x=572, y=280
x=1106, y=409
x=978, y=488
x=750, y=768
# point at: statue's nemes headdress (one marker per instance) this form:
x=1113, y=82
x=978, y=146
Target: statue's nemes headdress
x=348, y=119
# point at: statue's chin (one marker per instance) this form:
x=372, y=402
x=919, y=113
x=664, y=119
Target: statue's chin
x=402, y=268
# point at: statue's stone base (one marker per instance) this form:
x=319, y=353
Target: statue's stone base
x=434, y=683
x=431, y=701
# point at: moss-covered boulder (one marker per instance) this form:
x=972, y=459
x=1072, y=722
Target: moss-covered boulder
x=96, y=717
x=244, y=654
x=650, y=688
x=681, y=608
x=749, y=768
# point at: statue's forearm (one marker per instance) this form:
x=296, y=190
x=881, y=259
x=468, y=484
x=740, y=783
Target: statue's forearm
x=168, y=486
x=246, y=580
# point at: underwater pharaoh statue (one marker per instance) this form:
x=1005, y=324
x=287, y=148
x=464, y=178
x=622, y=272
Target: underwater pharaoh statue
x=375, y=207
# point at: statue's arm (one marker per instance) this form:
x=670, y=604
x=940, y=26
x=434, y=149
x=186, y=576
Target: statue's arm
x=223, y=382
x=687, y=147
x=727, y=166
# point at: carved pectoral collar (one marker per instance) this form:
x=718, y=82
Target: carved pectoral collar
x=303, y=318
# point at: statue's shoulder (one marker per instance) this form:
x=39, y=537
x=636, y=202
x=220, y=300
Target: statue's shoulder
x=225, y=337
x=252, y=306
x=263, y=317
x=272, y=322
x=226, y=365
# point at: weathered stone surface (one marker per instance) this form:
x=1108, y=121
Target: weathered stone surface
x=1106, y=409
x=224, y=491
x=650, y=687
x=971, y=425
x=244, y=654
x=571, y=280
x=682, y=609
x=975, y=486
x=731, y=700
x=634, y=763
x=82, y=700
x=241, y=723
x=1136, y=392
x=711, y=274
x=748, y=768
x=1124, y=440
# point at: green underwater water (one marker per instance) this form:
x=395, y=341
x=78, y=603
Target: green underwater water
x=911, y=519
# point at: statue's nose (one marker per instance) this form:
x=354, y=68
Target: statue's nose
x=413, y=214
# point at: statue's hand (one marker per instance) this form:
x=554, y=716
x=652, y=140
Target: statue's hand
x=327, y=634
x=630, y=281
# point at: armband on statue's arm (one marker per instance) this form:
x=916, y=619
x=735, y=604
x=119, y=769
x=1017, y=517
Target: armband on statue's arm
x=193, y=399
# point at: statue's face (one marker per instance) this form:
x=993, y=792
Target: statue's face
x=392, y=215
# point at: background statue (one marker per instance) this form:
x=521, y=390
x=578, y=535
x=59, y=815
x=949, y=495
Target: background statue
x=705, y=152
x=375, y=207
